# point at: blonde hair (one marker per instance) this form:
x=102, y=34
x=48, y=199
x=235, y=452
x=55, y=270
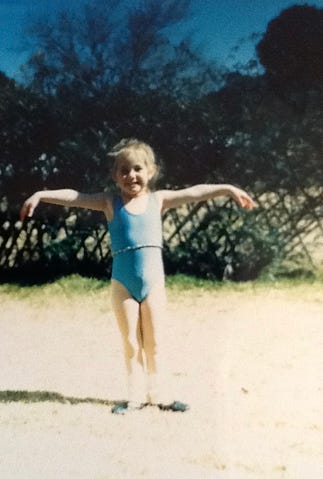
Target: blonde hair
x=133, y=148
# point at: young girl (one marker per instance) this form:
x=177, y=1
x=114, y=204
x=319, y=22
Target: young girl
x=137, y=284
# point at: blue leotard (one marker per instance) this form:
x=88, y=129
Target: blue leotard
x=136, y=242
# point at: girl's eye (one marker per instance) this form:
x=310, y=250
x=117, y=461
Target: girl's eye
x=126, y=171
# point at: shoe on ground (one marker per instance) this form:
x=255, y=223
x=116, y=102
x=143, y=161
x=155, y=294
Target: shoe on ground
x=176, y=406
x=122, y=408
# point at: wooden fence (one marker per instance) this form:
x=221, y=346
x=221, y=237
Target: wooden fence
x=66, y=245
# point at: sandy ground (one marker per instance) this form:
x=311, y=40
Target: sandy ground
x=250, y=365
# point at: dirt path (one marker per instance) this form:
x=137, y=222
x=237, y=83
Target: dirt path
x=249, y=365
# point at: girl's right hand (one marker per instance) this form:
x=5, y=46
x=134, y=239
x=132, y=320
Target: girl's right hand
x=29, y=206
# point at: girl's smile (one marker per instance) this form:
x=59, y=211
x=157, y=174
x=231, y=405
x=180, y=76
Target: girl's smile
x=132, y=176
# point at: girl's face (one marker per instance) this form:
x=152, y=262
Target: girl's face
x=132, y=176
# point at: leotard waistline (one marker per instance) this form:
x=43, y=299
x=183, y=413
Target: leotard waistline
x=133, y=248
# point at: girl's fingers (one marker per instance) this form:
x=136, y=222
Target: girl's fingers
x=26, y=210
x=23, y=213
x=247, y=202
x=243, y=199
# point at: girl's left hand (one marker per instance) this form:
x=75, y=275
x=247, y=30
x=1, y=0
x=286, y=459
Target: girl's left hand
x=242, y=198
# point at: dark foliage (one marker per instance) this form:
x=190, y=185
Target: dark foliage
x=87, y=90
x=291, y=50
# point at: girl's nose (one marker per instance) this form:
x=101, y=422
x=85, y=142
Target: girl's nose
x=132, y=173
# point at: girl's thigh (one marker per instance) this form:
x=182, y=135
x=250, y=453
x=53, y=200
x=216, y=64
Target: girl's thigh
x=126, y=309
x=153, y=312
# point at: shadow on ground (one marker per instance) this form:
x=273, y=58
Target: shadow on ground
x=48, y=396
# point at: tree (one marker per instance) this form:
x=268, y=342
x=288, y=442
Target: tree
x=291, y=49
x=108, y=45
x=114, y=74
x=96, y=79
x=28, y=127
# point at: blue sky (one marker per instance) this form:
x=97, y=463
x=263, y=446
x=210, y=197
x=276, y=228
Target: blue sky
x=216, y=27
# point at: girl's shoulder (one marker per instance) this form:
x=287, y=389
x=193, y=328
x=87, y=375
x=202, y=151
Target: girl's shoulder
x=108, y=199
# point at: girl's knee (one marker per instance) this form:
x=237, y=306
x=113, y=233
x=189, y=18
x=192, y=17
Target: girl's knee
x=133, y=351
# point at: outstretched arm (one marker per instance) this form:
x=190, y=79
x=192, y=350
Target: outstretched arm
x=66, y=197
x=172, y=199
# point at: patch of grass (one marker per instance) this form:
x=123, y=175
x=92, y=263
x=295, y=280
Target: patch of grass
x=76, y=285
x=69, y=285
x=181, y=284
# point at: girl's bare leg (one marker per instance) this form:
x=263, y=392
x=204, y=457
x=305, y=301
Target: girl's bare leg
x=153, y=325
x=127, y=312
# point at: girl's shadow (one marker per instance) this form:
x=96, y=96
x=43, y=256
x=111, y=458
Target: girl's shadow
x=48, y=396
x=28, y=397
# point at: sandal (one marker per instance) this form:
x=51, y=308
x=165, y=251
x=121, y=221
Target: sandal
x=120, y=408
x=123, y=407
x=176, y=406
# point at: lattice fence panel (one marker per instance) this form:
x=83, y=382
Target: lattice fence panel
x=295, y=220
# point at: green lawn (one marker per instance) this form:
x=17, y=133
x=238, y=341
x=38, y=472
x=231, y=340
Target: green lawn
x=78, y=285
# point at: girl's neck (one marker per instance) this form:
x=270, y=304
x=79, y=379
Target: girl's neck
x=128, y=198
